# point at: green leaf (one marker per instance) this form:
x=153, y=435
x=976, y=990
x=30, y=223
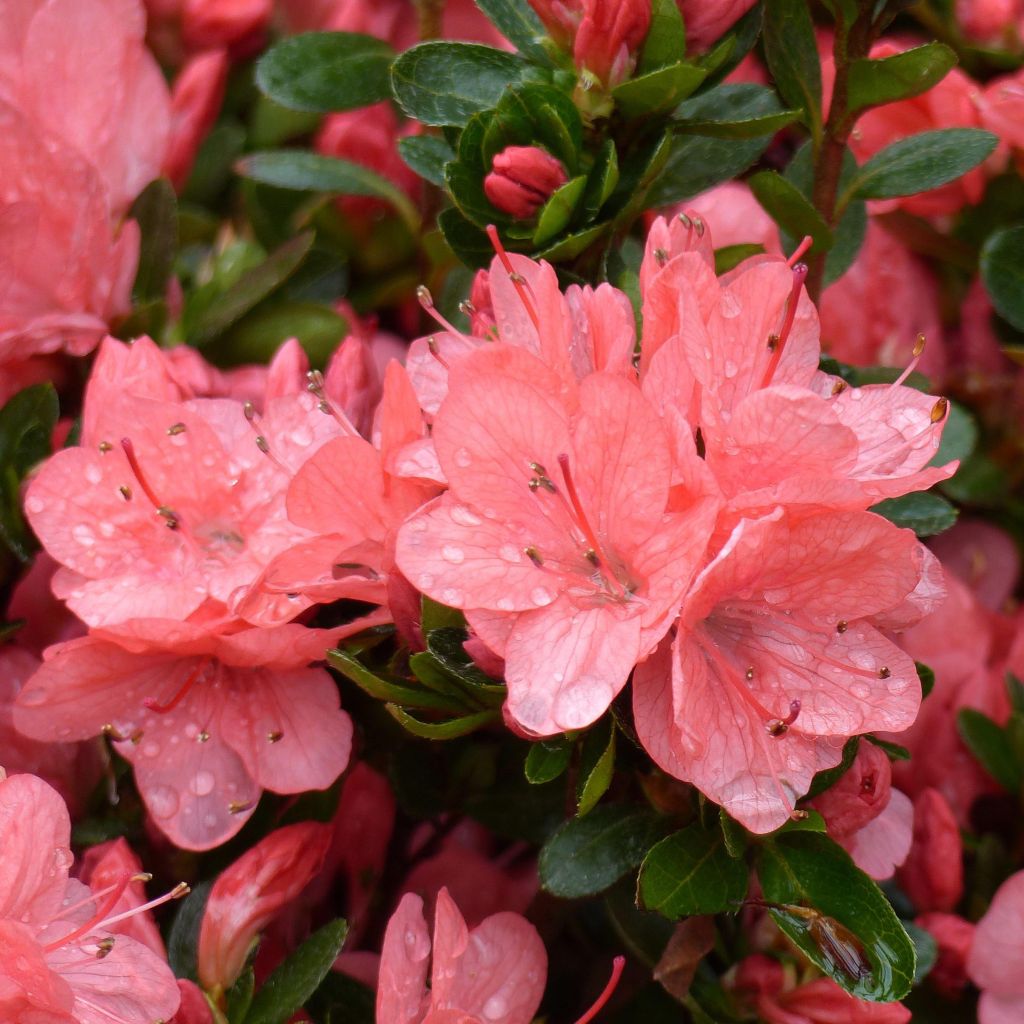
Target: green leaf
x=790, y=209
x=434, y=615
x=893, y=750
x=518, y=23
x=1015, y=691
x=183, y=938
x=927, y=950
x=743, y=128
x=547, y=760
x=736, y=837
x=692, y=872
x=792, y=54
x=426, y=155
x=731, y=256
x=927, y=677
x=26, y=427
x=587, y=855
x=1002, y=271
x=450, y=730
x=571, y=246
x=658, y=90
x=251, y=288
x=156, y=212
x=830, y=776
x=382, y=689
x=666, y=38
x=303, y=171
x=870, y=83
x=240, y=996
x=341, y=999
x=466, y=240
x=697, y=162
x=555, y=214
x=597, y=766
x=291, y=984
x=808, y=875
x=601, y=181
x=442, y=83
x=990, y=745
x=923, y=512
x=326, y=71
x=807, y=821
x=921, y=162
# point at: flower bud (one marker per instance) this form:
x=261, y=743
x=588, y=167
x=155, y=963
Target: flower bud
x=609, y=37
x=933, y=875
x=954, y=936
x=195, y=102
x=707, y=20
x=522, y=179
x=860, y=795
x=207, y=24
x=248, y=894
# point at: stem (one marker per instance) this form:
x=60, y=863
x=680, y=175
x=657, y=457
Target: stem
x=849, y=46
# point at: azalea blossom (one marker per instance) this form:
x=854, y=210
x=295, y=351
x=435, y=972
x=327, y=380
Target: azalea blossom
x=996, y=960
x=556, y=535
x=62, y=956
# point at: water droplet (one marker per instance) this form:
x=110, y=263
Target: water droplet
x=463, y=516
x=426, y=581
x=202, y=783
x=860, y=691
x=505, y=604
x=463, y=458
x=495, y=1008
x=541, y=596
x=35, y=505
x=82, y=532
x=510, y=553
x=93, y=473
x=730, y=369
x=450, y=595
x=301, y=436
x=108, y=530
x=150, y=749
x=162, y=801
x=452, y=553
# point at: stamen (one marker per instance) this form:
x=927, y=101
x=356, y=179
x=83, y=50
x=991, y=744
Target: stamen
x=939, y=410
x=435, y=351
x=181, y=889
x=780, y=726
x=104, y=447
x=799, y=276
x=842, y=626
x=912, y=365
x=162, y=709
x=884, y=672
x=805, y=243
x=104, y=947
x=661, y=256
x=118, y=737
x=516, y=279
x=275, y=737
x=125, y=491
x=426, y=300
x=534, y=556
x=113, y=895
x=618, y=965
x=173, y=522
x=316, y=386
x=581, y=516
x=238, y=807
x=839, y=387
x=176, y=428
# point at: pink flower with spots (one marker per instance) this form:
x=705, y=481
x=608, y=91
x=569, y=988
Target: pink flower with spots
x=208, y=719
x=494, y=973
x=556, y=536
x=63, y=957
x=170, y=505
x=778, y=657
x=996, y=960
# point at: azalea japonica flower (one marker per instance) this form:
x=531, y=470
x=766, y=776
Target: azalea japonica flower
x=996, y=961
x=708, y=20
x=778, y=658
x=249, y=893
x=169, y=504
x=556, y=535
x=62, y=958
x=208, y=718
x=762, y=982
x=80, y=74
x=195, y=102
x=991, y=21
x=933, y=875
x=867, y=817
x=739, y=219
x=522, y=179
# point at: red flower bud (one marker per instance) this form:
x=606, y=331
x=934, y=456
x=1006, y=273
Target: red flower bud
x=860, y=795
x=954, y=936
x=247, y=896
x=933, y=874
x=609, y=36
x=521, y=180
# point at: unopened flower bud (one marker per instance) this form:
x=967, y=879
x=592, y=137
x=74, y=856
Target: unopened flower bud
x=954, y=936
x=609, y=37
x=522, y=179
x=933, y=875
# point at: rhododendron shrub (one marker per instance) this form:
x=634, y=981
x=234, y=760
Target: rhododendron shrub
x=479, y=497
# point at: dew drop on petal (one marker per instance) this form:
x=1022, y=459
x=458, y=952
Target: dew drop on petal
x=93, y=474
x=541, y=596
x=463, y=458
x=860, y=691
x=453, y=553
x=163, y=801
x=35, y=505
x=425, y=581
x=495, y=1008
x=510, y=553
x=505, y=604
x=464, y=516
x=451, y=596
x=202, y=783
x=82, y=532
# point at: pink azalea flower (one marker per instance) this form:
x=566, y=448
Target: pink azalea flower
x=863, y=813
x=777, y=659
x=708, y=20
x=494, y=973
x=556, y=535
x=168, y=505
x=212, y=24
x=933, y=875
x=739, y=219
x=762, y=981
x=195, y=102
x=1001, y=105
x=248, y=894
x=996, y=961
x=207, y=719
x=194, y=1008
x=991, y=21
x=61, y=958
x=79, y=71
x=954, y=937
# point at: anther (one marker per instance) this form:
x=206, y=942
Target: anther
x=685, y=221
x=262, y=444
x=170, y=519
x=661, y=256
x=516, y=279
x=176, y=428
x=466, y=307
x=939, y=410
x=773, y=342
x=275, y=737
x=203, y=737
x=749, y=674
x=250, y=411
x=839, y=387
x=237, y=807
x=912, y=365
x=591, y=556
x=125, y=491
x=538, y=469
x=842, y=626
x=698, y=226
x=423, y=297
x=104, y=947
x=884, y=672
x=534, y=556
x=105, y=446
x=798, y=814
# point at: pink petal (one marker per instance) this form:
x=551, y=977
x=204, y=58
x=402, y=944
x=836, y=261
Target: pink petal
x=429, y=372
x=996, y=961
x=884, y=843
x=31, y=990
x=993, y=1009
x=401, y=992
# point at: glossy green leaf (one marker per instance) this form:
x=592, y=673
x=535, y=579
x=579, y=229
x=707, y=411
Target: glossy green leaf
x=155, y=210
x=518, y=23
x=449, y=730
x=303, y=171
x=869, y=954
x=1002, y=271
x=922, y=162
x=736, y=837
x=658, y=90
x=239, y=996
x=870, y=83
x=571, y=246
x=743, y=128
x=294, y=981
x=927, y=678
x=183, y=938
x=587, y=855
x=923, y=512
x=830, y=776
x=427, y=156
x=251, y=288
x=434, y=615
x=469, y=243
x=601, y=181
x=790, y=209
x=382, y=689
x=597, y=766
x=1015, y=691
x=990, y=745
x=731, y=256
x=255, y=338
x=547, y=760
x=894, y=751
x=326, y=71
x=666, y=38
x=792, y=53
x=692, y=872
x=443, y=83
x=555, y=214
